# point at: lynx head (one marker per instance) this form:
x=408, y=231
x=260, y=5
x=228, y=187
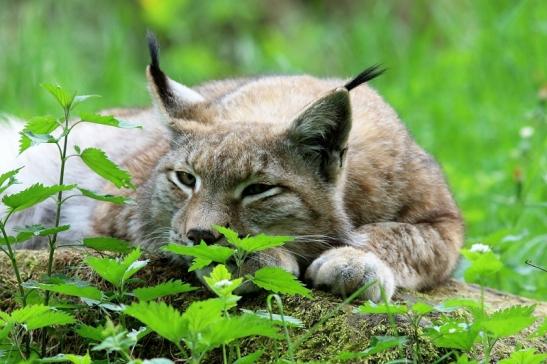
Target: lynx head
x=226, y=168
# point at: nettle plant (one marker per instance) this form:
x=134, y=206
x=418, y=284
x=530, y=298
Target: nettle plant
x=202, y=327
x=129, y=310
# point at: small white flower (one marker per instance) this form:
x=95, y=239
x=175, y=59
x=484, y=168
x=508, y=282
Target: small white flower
x=526, y=132
x=480, y=248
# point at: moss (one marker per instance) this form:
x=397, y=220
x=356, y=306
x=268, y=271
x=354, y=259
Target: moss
x=344, y=331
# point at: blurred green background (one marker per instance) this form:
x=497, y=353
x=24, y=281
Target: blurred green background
x=469, y=78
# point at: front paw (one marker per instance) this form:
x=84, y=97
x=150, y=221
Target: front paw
x=345, y=270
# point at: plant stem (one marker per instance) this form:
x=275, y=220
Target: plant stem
x=53, y=240
x=13, y=261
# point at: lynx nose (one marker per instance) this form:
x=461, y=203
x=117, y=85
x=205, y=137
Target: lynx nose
x=197, y=235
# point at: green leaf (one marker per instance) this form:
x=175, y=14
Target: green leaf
x=482, y=265
x=251, y=358
x=29, y=139
x=421, y=308
x=200, y=315
x=203, y=252
x=106, y=120
x=162, y=289
x=279, y=281
x=8, y=179
x=73, y=290
x=289, y=320
x=115, y=199
x=51, y=318
x=99, y=163
x=541, y=330
x=509, y=321
x=160, y=318
x=117, y=271
x=454, y=334
x=28, y=232
x=90, y=332
x=63, y=358
x=224, y=331
x=33, y=195
x=104, y=243
x=252, y=244
x=378, y=344
x=63, y=98
x=382, y=308
x=42, y=124
x=79, y=99
x=37, y=316
x=525, y=356
x=220, y=281
x=24, y=313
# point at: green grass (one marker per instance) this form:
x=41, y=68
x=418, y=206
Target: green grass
x=464, y=76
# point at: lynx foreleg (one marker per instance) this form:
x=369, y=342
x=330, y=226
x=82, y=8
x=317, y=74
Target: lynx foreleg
x=392, y=254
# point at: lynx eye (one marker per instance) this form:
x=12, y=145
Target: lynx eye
x=187, y=179
x=256, y=189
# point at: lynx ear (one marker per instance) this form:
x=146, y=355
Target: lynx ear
x=321, y=132
x=171, y=97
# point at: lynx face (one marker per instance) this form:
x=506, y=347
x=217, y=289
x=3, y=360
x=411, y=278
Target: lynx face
x=253, y=180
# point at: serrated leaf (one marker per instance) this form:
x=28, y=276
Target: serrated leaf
x=33, y=195
x=63, y=358
x=31, y=231
x=115, y=199
x=277, y=280
x=108, y=120
x=79, y=99
x=63, y=98
x=73, y=290
x=90, y=332
x=29, y=139
x=382, y=308
x=51, y=318
x=22, y=314
x=37, y=316
x=509, y=321
x=198, y=263
x=482, y=265
x=163, y=289
x=289, y=320
x=541, y=330
x=252, y=244
x=99, y=163
x=115, y=271
x=155, y=315
x=378, y=344
x=454, y=334
x=224, y=331
x=250, y=358
x=525, y=356
x=41, y=124
x=105, y=243
x=8, y=179
x=220, y=281
x=200, y=315
x=211, y=253
x=422, y=308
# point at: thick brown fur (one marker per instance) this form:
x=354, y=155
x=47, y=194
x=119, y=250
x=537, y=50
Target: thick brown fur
x=365, y=204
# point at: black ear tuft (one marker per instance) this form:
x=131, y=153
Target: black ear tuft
x=153, y=48
x=366, y=75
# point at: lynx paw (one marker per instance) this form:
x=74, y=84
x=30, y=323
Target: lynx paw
x=344, y=270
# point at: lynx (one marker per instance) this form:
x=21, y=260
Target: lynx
x=323, y=160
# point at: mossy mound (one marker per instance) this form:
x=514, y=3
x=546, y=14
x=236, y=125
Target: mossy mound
x=344, y=331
